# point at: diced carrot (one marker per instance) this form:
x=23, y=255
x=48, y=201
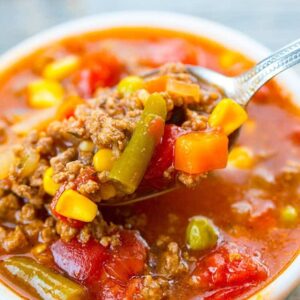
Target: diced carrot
x=157, y=84
x=200, y=152
x=183, y=89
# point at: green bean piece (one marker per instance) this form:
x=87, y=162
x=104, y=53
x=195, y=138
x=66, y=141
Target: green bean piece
x=131, y=166
x=201, y=234
x=156, y=105
x=46, y=283
x=289, y=214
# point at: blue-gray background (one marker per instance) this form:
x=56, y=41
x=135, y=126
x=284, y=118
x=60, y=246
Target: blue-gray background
x=271, y=22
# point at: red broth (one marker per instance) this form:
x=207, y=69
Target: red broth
x=245, y=205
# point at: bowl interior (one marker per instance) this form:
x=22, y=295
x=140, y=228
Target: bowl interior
x=284, y=283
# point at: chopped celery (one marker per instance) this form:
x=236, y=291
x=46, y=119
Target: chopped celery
x=46, y=283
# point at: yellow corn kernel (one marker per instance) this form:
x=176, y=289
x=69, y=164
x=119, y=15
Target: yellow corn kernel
x=44, y=93
x=241, y=158
x=228, y=59
x=49, y=185
x=103, y=160
x=107, y=191
x=73, y=205
x=38, y=249
x=228, y=115
x=86, y=146
x=61, y=68
x=130, y=84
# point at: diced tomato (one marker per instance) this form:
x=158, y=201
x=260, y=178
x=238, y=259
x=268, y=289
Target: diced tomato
x=82, y=262
x=133, y=290
x=89, y=173
x=128, y=258
x=171, y=50
x=109, y=289
x=229, y=268
x=73, y=223
x=100, y=69
x=108, y=272
x=163, y=157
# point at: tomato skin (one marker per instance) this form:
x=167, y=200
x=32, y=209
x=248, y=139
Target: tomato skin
x=163, y=157
x=109, y=273
x=128, y=258
x=80, y=261
x=101, y=69
x=230, y=270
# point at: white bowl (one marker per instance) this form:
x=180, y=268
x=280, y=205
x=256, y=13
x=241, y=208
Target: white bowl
x=290, y=277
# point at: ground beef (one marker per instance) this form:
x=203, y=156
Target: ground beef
x=171, y=262
x=8, y=206
x=154, y=288
x=13, y=240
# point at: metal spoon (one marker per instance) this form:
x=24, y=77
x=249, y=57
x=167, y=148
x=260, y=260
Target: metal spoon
x=240, y=88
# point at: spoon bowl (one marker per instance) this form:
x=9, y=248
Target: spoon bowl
x=240, y=88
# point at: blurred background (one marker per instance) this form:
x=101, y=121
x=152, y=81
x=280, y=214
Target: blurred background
x=271, y=22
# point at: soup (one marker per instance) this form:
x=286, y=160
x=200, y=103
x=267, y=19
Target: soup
x=224, y=236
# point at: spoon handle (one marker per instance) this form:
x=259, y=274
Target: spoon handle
x=250, y=81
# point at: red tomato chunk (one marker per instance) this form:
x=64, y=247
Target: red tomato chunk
x=230, y=269
x=163, y=157
x=107, y=271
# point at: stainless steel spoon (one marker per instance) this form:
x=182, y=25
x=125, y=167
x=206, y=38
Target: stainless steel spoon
x=240, y=88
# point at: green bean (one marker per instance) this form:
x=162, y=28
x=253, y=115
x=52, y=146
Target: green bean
x=46, y=283
x=131, y=166
x=201, y=234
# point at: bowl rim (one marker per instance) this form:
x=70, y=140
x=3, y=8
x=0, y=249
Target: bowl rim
x=289, y=278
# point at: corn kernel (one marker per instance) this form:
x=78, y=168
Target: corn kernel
x=107, y=191
x=49, y=185
x=38, y=249
x=44, y=93
x=289, y=214
x=103, y=160
x=241, y=158
x=73, y=205
x=228, y=115
x=86, y=146
x=228, y=59
x=61, y=68
x=130, y=84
